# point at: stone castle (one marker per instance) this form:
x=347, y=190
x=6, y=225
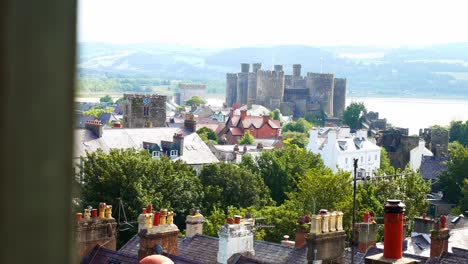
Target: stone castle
x=312, y=93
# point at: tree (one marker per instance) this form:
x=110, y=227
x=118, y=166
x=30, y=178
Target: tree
x=138, y=179
x=301, y=126
x=451, y=180
x=385, y=167
x=295, y=138
x=106, y=99
x=230, y=185
x=280, y=169
x=354, y=115
x=275, y=114
x=464, y=201
x=195, y=101
x=98, y=111
x=458, y=131
x=247, y=139
x=207, y=134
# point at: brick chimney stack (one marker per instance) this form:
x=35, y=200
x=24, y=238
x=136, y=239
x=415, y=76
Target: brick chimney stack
x=189, y=123
x=161, y=233
x=194, y=223
x=265, y=119
x=178, y=140
x=95, y=126
x=439, y=238
x=92, y=230
x=423, y=224
x=366, y=233
x=243, y=114
x=326, y=239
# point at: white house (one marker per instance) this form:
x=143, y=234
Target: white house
x=338, y=147
x=417, y=154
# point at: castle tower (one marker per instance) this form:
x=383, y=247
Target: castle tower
x=339, y=96
x=231, y=88
x=270, y=87
x=144, y=110
x=297, y=70
x=245, y=67
x=256, y=67
x=242, y=87
x=320, y=86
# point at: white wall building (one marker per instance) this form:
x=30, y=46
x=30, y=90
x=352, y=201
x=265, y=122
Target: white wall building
x=416, y=155
x=338, y=147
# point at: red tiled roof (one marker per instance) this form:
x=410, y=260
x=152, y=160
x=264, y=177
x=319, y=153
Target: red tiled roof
x=235, y=131
x=274, y=123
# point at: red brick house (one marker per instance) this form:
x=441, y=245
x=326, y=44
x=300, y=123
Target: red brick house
x=258, y=126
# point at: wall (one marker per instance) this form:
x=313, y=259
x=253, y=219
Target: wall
x=187, y=91
x=242, y=87
x=320, y=87
x=134, y=115
x=231, y=88
x=270, y=88
x=339, y=97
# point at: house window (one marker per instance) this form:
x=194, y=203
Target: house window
x=145, y=110
x=173, y=153
x=156, y=154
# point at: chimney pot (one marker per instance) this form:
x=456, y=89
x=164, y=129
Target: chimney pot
x=393, y=229
x=94, y=213
x=443, y=221
x=79, y=217
x=285, y=237
x=230, y=221
x=366, y=217
x=237, y=219
x=143, y=210
x=424, y=215
x=149, y=209
x=157, y=215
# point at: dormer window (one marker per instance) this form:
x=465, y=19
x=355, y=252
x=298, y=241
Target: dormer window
x=156, y=154
x=174, y=153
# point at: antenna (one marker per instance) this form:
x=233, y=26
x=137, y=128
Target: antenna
x=260, y=226
x=125, y=222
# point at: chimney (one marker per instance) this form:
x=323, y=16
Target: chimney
x=259, y=146
x=423, y=224
x=326, y=240
x=190, y=124
x=366, y=233
x=265, y=119
x=439, y=238
x=393, y=229
x=286, y=242
x=178, y=141
x=302, y=229
x=235, y=238
x=95, y=126
x=92, y=230
x=194, y=223
x=243, y=114
x=331, y=137
x=163, y=234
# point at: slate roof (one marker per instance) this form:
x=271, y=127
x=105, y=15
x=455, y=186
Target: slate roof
x=431, y=166
x=204, y=249
x=101, y=255
x=456, y=221
x=195, y=150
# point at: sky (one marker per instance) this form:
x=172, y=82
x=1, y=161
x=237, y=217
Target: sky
x=236, y=23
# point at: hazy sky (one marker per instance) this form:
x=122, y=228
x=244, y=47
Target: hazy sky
x=218, y=23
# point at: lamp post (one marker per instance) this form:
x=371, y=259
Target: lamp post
x=355, y=163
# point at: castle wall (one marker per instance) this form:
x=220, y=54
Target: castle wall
x=135, y=115
x=187, y=91
x=339, y=97
x=231, y=88
x=320, y=87
x=242, y=87
x=270, y=88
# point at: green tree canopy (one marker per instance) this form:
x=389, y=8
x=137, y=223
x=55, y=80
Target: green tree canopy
x=458, y=131
x=451, y=180
x=354, y=115
x=195, y=101
x=230, y=185
x=98, y=111
x=106, y=99
x=275, y=114
x=295, y=138
x=247, y=139
x=280, y=169
x=138, y=179
x=206, y=134
x=301, y=126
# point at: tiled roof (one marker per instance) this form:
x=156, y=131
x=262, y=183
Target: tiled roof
x=456, y=221
x=195, y=150
x=235, y=131
x=204, y=249
x=431, y=166
x=451, y=258
x=101, y=255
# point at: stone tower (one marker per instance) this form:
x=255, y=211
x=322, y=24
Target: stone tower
x=270, y=87
x=231, y=88
x=339, y=97
x=144, y=110
x=320, y=86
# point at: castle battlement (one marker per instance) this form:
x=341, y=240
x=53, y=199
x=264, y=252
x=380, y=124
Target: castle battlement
x=155, y=96
x=321, y=76
x=270, y=74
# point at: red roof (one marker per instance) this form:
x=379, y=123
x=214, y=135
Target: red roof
x=235, y=131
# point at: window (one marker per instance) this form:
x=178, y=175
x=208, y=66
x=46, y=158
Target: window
x=145, y=110
x=156, y=154
x=174, y=153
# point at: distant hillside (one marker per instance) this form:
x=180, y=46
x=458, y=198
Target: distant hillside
x=371, y=71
